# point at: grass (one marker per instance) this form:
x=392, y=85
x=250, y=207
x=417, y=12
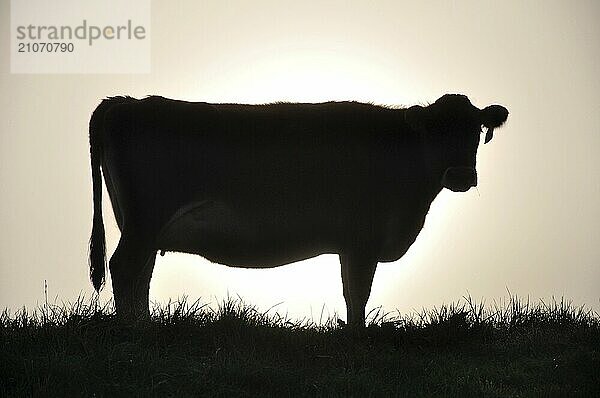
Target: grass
x=510, y=349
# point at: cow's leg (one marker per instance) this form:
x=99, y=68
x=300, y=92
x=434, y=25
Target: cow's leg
x=357, y=276
x=131, y=268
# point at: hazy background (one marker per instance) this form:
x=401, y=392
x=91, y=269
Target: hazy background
x=532, y=226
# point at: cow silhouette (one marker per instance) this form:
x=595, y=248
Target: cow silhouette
x=260, y=186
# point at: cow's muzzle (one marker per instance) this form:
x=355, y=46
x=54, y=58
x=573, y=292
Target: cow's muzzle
x=459, y=179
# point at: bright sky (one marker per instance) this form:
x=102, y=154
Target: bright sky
x=533, y=225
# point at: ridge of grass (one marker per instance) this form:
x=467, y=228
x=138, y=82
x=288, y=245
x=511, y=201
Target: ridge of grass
x=509, y=349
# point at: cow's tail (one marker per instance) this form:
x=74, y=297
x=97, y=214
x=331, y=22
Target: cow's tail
x=97, y=248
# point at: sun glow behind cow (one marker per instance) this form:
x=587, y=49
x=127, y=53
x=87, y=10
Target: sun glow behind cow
x=305, y=71
x=311, y=288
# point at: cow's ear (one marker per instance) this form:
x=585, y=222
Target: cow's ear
x=493, y=116
x=415, y=117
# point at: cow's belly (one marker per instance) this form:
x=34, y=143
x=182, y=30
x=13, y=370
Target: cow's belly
x=223, y=235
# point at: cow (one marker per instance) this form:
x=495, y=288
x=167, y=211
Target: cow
x=260, y=186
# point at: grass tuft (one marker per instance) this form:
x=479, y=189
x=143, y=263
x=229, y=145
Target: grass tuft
x=510, y=348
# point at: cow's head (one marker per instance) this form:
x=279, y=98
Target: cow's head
x=451, y=127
